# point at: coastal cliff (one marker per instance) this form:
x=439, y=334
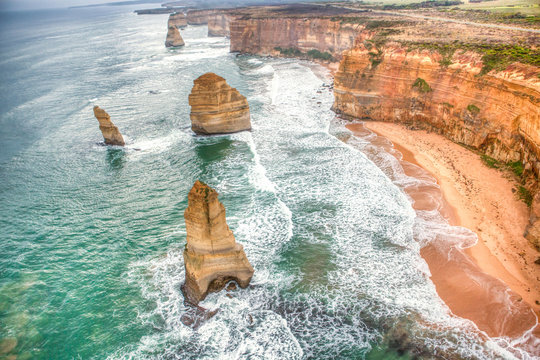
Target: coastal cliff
x=200, y=17
x=212, y=257
x=219, y=24
x=216, y=107
x=292, y=36
x=496, y=112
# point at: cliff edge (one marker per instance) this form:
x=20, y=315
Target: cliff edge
x=212, y=257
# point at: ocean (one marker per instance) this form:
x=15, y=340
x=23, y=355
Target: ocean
x=92, y=236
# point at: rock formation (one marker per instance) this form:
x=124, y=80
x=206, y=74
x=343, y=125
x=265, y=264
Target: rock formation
x=177, y=20
x=212, y=257
x=111, y=134
x=217, y=108
x=533, y=230
x=173, y=37
x=219, y=24
x=200, y=17
x=495, y=112
x=263, y=36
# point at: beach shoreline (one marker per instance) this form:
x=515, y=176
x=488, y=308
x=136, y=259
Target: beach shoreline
x=480, y=199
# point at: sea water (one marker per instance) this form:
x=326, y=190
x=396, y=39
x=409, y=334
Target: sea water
x=92, y=236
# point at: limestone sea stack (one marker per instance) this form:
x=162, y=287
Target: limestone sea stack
x=177, y=20
x=173, y=37
x=212, y=257
x=111, y=134
x=217, y=108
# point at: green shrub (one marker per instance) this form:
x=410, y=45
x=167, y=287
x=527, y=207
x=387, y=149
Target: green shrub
x=473, y=109
x=525, y=195
x=292, y=52
x=490, y=162
x=516, y=167
x=421, y=85
x=316, y=54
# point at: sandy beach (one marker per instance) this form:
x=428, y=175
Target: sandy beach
x=483, y=200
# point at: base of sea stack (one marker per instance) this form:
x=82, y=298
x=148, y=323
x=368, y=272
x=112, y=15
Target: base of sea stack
x=204, y=131
x=211, y=272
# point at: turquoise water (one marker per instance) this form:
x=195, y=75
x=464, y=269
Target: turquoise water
x=91, y=263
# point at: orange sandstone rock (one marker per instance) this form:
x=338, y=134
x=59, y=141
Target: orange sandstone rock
x=217, y=108
x=111, y=134
x=212, y=257
x=200, y=17
x=497, y=113
x=177, y=20
x=173, y=37
x=533, y=230
x=263, y=36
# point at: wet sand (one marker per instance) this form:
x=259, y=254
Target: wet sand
x=494, y=283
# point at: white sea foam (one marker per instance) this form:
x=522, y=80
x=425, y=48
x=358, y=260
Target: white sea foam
x=305, y=189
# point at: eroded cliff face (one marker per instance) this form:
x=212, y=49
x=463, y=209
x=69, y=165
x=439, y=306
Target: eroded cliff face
x=200, y=17
x=177, y=20
x=111, y=134
x=262, y=36
x=212, y=257
x=216, y=107
x=219, y=24
x=532, y=233
x=497, y=113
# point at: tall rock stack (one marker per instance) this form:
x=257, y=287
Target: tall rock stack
x=177, y=20
x=111, y=134
x=217, y=108
x=173, y=37
x=212, y=257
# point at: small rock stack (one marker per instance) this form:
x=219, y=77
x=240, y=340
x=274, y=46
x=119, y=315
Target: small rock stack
x=111, y=134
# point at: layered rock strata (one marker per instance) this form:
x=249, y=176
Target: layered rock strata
x=111, y=134
x=200, y=17
x=212, y=257
x=532, y=233
x=274, y=36
x=174, y=38
x=497, y=113
x=217, y=108
x=219, y=24
x=177, y=20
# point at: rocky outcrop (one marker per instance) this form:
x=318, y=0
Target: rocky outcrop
x=177, y=20
x=111, y=134
x=497, y=113
x=212, y=257
x=173, y=37
x=217, y=108
x=219, y=24
x=275, y=36
x=200, y=17
x=532, y=232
